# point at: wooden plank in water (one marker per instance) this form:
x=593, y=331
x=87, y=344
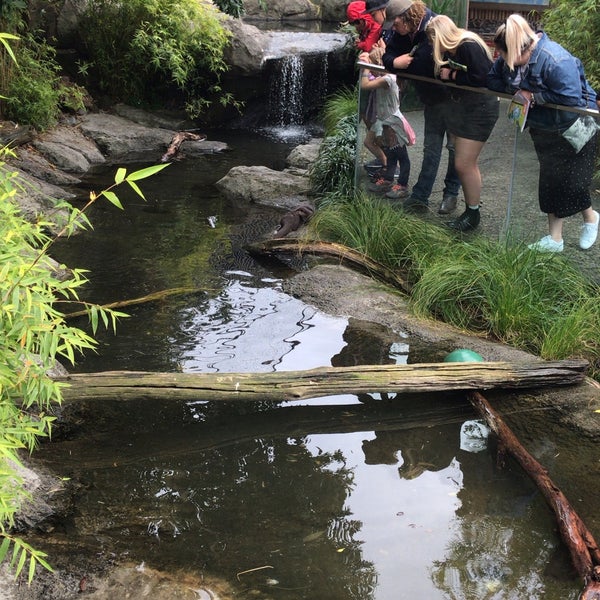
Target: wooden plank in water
x=323, y=381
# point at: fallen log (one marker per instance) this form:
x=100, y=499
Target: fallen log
x=342, y=253
x=177, y=140
x=323, y=381
x=584, y=550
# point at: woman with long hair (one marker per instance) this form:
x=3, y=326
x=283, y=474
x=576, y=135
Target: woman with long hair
x=461, y=57
x=542, y=71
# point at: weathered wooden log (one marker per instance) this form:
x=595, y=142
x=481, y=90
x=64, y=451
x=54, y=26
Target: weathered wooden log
x=342, y=253
x=324, y=381
x=584, y=550
x=177, y=140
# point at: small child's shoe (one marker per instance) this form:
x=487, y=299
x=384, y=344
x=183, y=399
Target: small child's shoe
x=397, y=191
x=381, y=186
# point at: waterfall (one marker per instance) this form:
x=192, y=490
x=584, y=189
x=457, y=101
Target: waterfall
x=297, y=88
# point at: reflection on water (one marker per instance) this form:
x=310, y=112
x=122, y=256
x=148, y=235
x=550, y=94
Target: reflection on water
x=341, y=498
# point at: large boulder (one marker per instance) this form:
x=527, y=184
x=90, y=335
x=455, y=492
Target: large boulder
x=280, y=189
x=247, y=49
x=282, y=10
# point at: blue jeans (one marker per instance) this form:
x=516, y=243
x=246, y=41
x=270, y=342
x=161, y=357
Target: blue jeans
x=433, y=142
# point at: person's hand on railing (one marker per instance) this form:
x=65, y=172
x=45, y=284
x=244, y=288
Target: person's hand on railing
x=403, y=61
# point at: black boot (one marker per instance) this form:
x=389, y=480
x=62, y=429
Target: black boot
x=468, y=221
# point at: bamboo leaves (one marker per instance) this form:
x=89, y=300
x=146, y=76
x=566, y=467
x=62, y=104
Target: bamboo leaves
x=34, y=335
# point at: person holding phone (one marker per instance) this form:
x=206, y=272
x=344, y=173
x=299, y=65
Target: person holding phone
x=463, y=58
x=408, y=50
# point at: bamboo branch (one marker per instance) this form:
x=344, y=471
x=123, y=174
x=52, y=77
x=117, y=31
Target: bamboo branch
x=155, y=296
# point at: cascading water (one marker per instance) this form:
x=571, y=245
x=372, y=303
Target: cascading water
x=298, y=86
x=286, y=92
x=299, y=67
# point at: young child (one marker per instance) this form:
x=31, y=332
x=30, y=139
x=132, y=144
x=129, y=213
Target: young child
x=390, y=129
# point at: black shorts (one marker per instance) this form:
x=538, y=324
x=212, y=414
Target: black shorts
x=472, y=117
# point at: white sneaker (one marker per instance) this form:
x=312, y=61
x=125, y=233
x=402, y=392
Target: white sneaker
x=547, y=244
x=589, y=233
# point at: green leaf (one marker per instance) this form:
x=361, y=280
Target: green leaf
x=136, y=189
x=4, y=548
x=31, y=573
x=112, y=198
x=120, y=176
x=143, y=173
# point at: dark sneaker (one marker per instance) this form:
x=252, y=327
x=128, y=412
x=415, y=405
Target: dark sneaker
x=448, y=205
x=412, y=204
x=381, y=186
x=468, y=221
x=379, y=174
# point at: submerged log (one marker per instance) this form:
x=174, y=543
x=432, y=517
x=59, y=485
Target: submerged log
x=324, y=381
x=584, y=550
x=342, y=253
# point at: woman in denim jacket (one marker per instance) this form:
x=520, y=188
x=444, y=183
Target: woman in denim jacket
x=541, y=72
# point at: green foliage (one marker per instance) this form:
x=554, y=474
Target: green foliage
x=34, y=336
x=341, y=104
x=11, y=14
x=234, y=8
x=32, y=88
x=334, y=168
x=534, y=301
x=576, y=26
x=161, y=49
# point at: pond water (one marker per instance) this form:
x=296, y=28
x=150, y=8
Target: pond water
x=369, y=498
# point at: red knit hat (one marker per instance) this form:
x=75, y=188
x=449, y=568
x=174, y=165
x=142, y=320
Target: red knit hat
x=355, y=10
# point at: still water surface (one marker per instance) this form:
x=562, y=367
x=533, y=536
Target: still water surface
x=337, y=498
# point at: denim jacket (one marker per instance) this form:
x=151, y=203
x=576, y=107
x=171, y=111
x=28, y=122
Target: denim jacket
x=554, y=76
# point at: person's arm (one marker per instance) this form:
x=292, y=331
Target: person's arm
x=476, y=65
x=396, y=53
x=369, y=83
x=371, y=37
x=496, y=80
x=560, y=84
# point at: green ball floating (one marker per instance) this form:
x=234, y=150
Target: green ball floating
x=463, y=355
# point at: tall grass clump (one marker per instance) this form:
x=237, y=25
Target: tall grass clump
x=340, y=105
x=385, y=234
x=518, y=296
x=333, y=170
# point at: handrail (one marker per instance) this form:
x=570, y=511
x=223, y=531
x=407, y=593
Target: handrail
x=380, y=68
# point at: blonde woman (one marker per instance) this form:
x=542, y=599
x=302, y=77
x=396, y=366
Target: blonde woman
x=544, y=72
x=463, y=58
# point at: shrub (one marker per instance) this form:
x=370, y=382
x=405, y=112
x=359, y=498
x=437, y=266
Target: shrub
x=33, y=90
x=576, y=26
x=160, y=49
x=333, y=171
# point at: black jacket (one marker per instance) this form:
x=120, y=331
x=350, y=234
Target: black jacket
x=422, y=64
